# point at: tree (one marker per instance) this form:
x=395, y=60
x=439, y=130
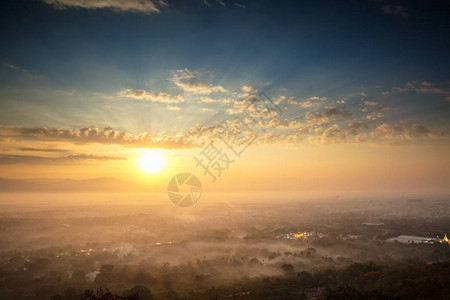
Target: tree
x=105, y=294
x=288, y=269
x=142, y=292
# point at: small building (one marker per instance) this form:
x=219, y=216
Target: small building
x=410, y=239
x=373, y=223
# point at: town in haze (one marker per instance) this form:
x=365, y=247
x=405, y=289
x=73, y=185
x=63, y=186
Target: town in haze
x=224, y=149
x=225, y=249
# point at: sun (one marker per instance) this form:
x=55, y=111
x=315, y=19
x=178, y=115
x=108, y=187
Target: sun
x=151, y=161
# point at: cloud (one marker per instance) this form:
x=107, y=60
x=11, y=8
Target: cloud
x=252, y=111
x=373, y=105
x=353, y=132
x=106, y=135
x=408, y=132
x=141, y=6
x=359, y=132
x=249, y=89
x=374, y=116
x=396, y=10
x=7, y=159
x=370, y=103
x=187, y=81
x=16, y=68
x=282, y=124
x=327, y=116
x=173, y=107
x=312, y=102
x=423, y=87
x=239, y=5
x=280, y=100
x=42, y=150
x=316, y=128
x=331, y=135
x=153, y=97
x=309, y=102
x=206, y=99
x=254, y=107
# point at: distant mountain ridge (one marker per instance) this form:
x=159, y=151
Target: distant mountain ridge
x=48, y=185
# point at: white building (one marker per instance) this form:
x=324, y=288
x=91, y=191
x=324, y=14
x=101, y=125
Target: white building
x=410, y=239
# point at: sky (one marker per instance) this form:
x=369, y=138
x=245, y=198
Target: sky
x=305, y=97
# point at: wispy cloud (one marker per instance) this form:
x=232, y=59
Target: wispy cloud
x=43, y=150
x=173, y=107
x=312, y=102
x=424, y=87
x=188, y=82
x=206, y=99
x=8, y=159
x=149, y=96
x=15, y=67
x=326, y=126
x=396, y=10
x=87, y=135
x=375, y=105
x=66, y=185
x=142, y=6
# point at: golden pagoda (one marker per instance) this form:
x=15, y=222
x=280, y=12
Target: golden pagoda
x=444, y=240
x=299, y=235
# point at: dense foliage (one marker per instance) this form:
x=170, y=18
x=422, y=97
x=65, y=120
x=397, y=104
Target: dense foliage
x=357, y=281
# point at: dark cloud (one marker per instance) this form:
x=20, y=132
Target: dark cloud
x=141, y=6
x=7, y=159
x=396, y=10
x=87, y=135
x=42, y=150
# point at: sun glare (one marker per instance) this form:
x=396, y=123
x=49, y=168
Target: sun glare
x=151, y=161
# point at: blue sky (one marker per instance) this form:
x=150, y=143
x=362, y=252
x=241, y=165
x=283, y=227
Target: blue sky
x=360, y=91
x=66, y=63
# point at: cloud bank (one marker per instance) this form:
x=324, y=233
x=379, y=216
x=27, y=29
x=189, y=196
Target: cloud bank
x=141, y=6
